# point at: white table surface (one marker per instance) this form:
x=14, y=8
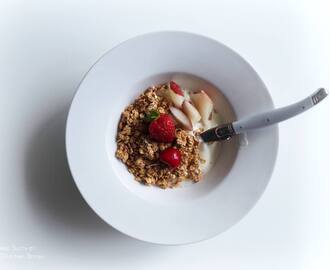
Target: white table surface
x=45, y=49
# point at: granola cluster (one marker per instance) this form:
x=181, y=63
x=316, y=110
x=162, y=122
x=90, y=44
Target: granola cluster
x=141, y=154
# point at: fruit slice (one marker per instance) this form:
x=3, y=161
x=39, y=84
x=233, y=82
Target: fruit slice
x=176, y=99
x=181, y=118
x=172, y=96
x=191, y=112
x=203, y=104
x=171, y=156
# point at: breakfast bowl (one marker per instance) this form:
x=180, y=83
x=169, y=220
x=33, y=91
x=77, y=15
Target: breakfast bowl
x=191, y=212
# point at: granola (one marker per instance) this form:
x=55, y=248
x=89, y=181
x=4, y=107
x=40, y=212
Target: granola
x=140, y=153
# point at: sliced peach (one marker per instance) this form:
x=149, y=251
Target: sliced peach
x=172, y=97
x=181, y=118
x=176, y=99
x=191, y=112
x=204, y=105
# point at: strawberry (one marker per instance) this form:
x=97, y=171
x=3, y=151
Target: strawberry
x=176, y=88
x=162, y=129
x=171, y=156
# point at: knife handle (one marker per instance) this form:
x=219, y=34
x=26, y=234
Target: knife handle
x=278, y=115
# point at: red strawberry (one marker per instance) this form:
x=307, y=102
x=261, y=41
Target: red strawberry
x=176, y=88
x=162, y=129
x=171, y=156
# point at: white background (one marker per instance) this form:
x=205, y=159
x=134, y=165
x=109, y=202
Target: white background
x=45, y=49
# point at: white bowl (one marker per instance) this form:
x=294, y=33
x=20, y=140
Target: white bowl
x=173, y=216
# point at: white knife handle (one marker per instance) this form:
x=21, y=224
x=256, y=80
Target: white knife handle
x=278, y=115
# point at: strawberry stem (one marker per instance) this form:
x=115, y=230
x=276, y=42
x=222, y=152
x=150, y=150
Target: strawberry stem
x=151, y=116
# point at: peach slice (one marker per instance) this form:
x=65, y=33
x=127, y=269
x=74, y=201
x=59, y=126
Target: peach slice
x=191, y=112
x=181, y=118
x=172, y=97
x=204, y=105
x=176, y=99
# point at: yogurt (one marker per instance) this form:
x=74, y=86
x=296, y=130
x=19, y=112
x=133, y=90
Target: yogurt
x=210, y=151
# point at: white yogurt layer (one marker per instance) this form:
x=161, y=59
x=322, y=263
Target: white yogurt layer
x=210, y=151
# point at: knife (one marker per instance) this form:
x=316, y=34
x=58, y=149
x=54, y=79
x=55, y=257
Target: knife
x=264, y=119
